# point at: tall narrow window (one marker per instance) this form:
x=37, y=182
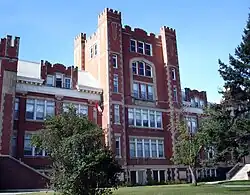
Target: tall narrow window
x=40, y=109
x=160, y=148
x=140, y=48
x=138, y=117
x=159, y=119
x=141, y=68
x=117, y=114
x=95, y=49
x=154, y=148
x=148, y=71
x=114, y=61
x=91, y=52
x=50, y=108
x=143, y=91
x=30, y=109
x=146, y=148
x=131, y=116
x=145, y=118
x=148, y=49
x=173, y=74
x=50, y=80
x=132, y=148
x=16, y=110
x=139, y=148
x=136, y=90
x=118, y=147
x=175, y=94
x=134, y=68
x=59, y=80
x=115, y=83
x=132, y=45
x=67, y=83
x=27, y=145
x=152, y=118
x=150, y=92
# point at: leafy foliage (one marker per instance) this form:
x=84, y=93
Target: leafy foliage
x=81, y=162
x=188, y=146
x=228, y=124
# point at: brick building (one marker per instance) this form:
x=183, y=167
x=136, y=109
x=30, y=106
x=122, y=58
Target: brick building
x=133, y=73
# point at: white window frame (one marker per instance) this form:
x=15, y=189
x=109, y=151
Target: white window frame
x=138, y=90
x=118, y=138
x=173, y=74
x=16, y=108
x=138, y=110
x=64, y=83
x=175, y=94
x=156, y=140
x=135, y=45
x=77, y=106
x=136, y=66
x=35, y=106
x=59, y=75
x=115, y=83
x=145, y=71
x=33, y=148
x=143, y=52
x=150, y=45
x=117, y=114
x=53, y=80
x=144, y=68
x=114, y=57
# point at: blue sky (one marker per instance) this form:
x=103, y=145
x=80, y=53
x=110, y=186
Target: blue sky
x=206, y=30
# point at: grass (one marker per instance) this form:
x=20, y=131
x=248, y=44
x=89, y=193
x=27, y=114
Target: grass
x=178, y=190
x=240, y=182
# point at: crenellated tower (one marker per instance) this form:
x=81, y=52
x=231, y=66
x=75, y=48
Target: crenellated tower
x=9, y=49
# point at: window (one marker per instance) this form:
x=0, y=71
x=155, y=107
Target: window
x=30, y=150
x=144, y=118
x=115, y=80
x=173, y=74
x=67, y=83
x=210, y=152
x=114, y=61
x=117, y=114
x=132, y=150
x=138, y=117
x=118, y=147
x=143, y=92
x=150, y=92
x=134, y=68
x=50, y=80
x=136, y=90
x=139, y=148
x=175, y=95
x=141, y=68
x=192, y=124
x=159, y=119
x=95, y=49
x=91, y=52
x=131, y=116
x=59, y=80
x=148, y=49
x=81, y=109
x=146, y=148
x=38, y=109
x=132, y=45
x=140, y=48
x=95, y=115
x=148, y=71
x=16, y=109
x=155, y=175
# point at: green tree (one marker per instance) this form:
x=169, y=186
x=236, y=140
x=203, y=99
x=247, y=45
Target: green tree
x=188, y=147
x=81, y=164
x=228, y=124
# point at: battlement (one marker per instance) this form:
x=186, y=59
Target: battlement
x=9, y=47
x=168, y=30
x=57, y=67
x=81, y=36
x=139, y=32
x=92, y=37
x=107, y=11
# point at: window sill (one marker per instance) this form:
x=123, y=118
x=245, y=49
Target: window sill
x=143, y=76
x=117, y=123
x=33, y=120
x=148, y=158
x=152, y=128
x=30, y=156
x=144, y=100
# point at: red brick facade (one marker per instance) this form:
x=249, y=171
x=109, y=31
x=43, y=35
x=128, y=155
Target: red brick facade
x=134, y=74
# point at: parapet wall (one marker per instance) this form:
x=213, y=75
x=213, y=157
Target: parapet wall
x=9, y=47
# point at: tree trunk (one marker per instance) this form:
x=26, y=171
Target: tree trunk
x=193, y=175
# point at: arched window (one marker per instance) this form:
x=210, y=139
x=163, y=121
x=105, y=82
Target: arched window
x=141, y=68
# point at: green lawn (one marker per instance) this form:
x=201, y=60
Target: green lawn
x=240, y=182
x=178, y=190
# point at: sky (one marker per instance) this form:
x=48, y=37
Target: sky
x=206, y=30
